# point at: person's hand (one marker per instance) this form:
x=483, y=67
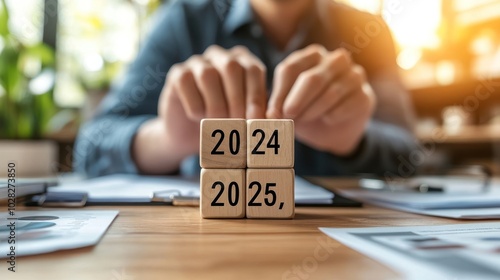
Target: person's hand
x=327, y=96
x=218, y=84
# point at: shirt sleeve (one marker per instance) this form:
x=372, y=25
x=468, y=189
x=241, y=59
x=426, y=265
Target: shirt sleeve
x=103, y=145
x=384, y=150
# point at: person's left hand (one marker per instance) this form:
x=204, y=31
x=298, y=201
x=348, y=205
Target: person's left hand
x=327, y=96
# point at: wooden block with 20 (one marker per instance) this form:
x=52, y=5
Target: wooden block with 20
x=223, y=143
x=222, y=193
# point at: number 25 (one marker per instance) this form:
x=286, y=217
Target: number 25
x=267, y=192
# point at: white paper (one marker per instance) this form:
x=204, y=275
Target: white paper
x=141, y=188
x=38, y=232
x=308, y=193
x=452, y=184
x=366, y=196
x=432, y=200
x=461, y=214
x=463, y=251
x=459, y=192
x=463, y=199
x=130, y=187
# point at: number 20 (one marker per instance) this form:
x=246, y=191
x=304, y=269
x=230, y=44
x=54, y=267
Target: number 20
x=234, y=142
x=233, y=188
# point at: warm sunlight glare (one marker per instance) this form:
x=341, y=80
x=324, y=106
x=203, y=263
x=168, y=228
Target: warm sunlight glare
x=408, y=58
x=445, y=73
x=414, y=24
x=370, y=6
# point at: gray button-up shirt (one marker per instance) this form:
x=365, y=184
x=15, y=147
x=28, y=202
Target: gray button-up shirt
x=185, y=28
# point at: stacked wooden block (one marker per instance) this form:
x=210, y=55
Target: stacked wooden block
x=247, y=168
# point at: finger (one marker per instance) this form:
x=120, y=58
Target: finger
x=337, y=62
x=311, y=83
x=359, y=103
x=181, y=79
x=209, y=84
x=287, y=72
x=255, y=84
x=334, y=93
x=232, y=77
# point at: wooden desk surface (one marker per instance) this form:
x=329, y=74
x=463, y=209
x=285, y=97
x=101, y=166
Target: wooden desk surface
x=160, y=242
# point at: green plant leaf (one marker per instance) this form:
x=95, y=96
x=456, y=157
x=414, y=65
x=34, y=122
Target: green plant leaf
x=23, y=115
x=8, y=58
x=4, y=19
x=40, y=51
x=11, y=78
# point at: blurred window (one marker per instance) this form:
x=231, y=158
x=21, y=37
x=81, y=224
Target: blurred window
x=437, y=42
x=26, y=20
x=95, y=39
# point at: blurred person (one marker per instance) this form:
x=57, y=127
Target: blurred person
x=327, y=66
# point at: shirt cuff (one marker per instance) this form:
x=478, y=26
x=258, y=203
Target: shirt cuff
x=104, y=147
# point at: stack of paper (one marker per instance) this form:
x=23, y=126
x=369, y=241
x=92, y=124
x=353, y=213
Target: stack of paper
x=40, y=232
x=134, y=188
x=463, y=251
x=469, y=204
x=25, y=186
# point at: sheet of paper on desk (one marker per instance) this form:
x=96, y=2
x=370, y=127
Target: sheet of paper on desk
x=458, y=251
x=432, y=200
x=38, y=232
x=25, y=186
x=129, y=187
x=308, y=193
x=458, y=206
x=134, y=188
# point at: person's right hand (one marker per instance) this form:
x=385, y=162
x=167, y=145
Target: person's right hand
x=218, y=84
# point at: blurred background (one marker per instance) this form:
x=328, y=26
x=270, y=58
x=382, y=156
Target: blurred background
x=59, y=57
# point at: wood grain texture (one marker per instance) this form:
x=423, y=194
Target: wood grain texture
x=231, y=151
x=270, y=193
x=264, y=156
x=222, y=193
x=163, y=242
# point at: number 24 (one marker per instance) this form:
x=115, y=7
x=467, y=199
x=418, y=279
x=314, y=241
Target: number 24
x=272, y=144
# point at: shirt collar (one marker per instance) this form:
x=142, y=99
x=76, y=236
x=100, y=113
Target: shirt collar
x=240, y=13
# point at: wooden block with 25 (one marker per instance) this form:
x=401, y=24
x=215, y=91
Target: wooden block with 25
x=270, y=193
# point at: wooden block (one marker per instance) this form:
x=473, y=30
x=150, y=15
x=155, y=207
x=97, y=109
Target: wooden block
x=222, y=193
x=223, y=143
x=270, y=143
x=270, y=193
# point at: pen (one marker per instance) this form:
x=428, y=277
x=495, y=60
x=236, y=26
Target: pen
x=375, y=184
x=186, y=201
x=426, y=188
x=175, y=198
